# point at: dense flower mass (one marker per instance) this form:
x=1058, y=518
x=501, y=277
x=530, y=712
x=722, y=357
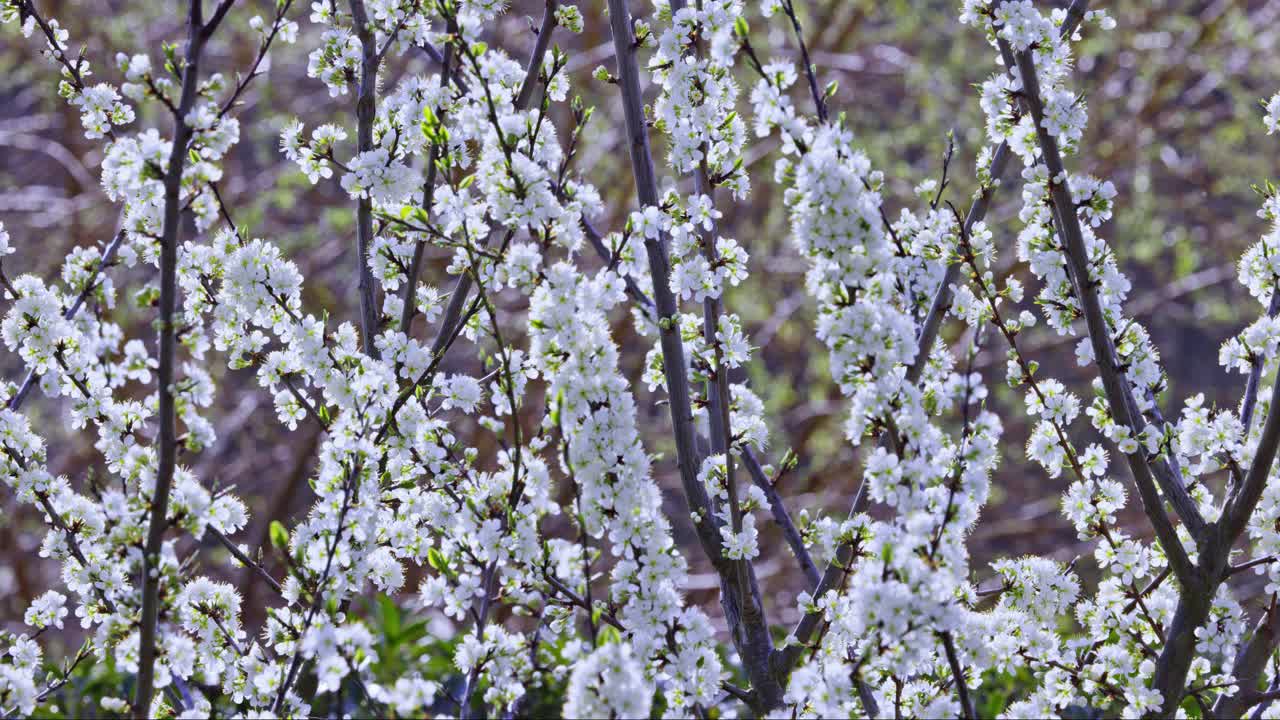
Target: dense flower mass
x=554, y=565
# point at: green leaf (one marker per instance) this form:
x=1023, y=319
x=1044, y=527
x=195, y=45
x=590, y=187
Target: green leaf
x=390, y=618
x=279, y=536
x=609, y=634
x=436, y=560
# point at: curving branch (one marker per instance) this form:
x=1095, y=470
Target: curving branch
x=1118, y=391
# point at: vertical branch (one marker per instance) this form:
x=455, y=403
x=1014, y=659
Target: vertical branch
x=540, y=46
x=366, y=110
x=673, y=361
x=957, y=674
x=719, y=397
x=739, y=595
x=482, y=616
x=718, y=394
x=198, y=34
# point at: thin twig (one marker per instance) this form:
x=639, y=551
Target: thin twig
x=781, y=516
x=957, y=673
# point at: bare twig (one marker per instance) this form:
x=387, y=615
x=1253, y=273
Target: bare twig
x=245, y=559
x=820, y=103
x=263, y=48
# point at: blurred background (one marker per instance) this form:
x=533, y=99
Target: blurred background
x=1174, y=122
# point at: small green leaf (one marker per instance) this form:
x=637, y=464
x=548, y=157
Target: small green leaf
x=390, y=618
x=436, y=560
x=279, y=536
x=609, y=634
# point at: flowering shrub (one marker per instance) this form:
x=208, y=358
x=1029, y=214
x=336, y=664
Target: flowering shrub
x=579, y=602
